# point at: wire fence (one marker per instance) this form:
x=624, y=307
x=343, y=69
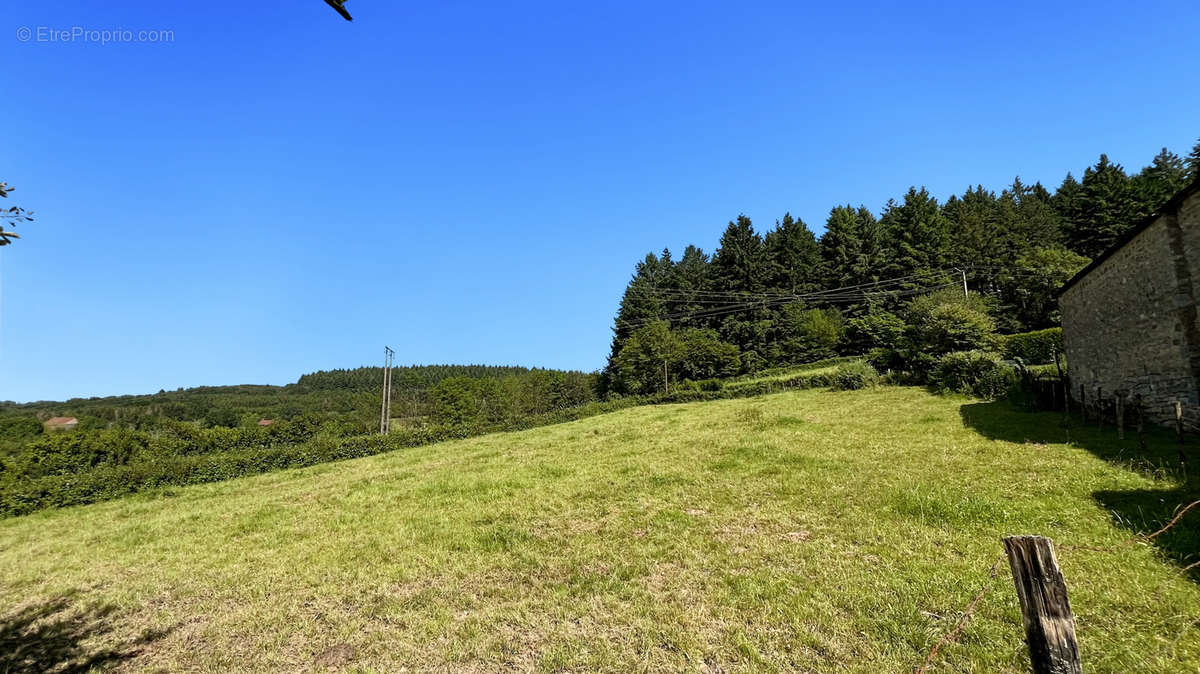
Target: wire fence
x=972, y=607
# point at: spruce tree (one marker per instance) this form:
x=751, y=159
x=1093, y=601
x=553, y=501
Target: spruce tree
x=1193, y=163
x=740, y=263
x=1107, y=209
x=841, y=246
x=740, y=266
x=975, y=226
x=1027, y=220
x=916, y=235
x=1158, y=182
x=693, y=276
x=871, y=256
x=641, y=302
x=793, y=256
x=1066, y=200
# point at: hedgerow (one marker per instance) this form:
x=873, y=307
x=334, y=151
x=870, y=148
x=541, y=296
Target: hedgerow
x=1034, y=348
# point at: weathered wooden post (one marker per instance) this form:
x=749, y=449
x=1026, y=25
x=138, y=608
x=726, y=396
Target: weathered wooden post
x=1062, y=381
x=1046, y=612
x=1082, y=404
x=1179, y=433
x=1141, y=423
x=1119, y=401
x=1099, y=408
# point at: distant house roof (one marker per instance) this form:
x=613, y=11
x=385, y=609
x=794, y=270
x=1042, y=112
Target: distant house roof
x=61, y=422
x=265, y=422
x=1169, y=207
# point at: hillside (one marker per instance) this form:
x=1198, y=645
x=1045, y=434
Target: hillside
x=326, y=392
x=807, y=530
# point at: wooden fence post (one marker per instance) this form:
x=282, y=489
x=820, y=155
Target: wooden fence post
x=1099, y=408
x=1049, y=623
x=1062, y=381
x=1179, y=433
x=1082, y=404
x=1120, y=403
x=1141, y=423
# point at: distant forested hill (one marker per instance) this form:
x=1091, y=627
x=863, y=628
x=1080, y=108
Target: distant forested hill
x=126, y=444
x=345, y=395
x=410, y=377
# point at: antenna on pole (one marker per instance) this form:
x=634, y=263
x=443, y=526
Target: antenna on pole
x=385, y=404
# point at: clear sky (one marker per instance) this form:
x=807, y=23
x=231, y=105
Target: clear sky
x=275, y=191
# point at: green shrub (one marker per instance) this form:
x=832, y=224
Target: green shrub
x=805, y=335
x=854, y=376
x=943, y=328
x=876, y=330
x=978, y=373
x=1034, y=348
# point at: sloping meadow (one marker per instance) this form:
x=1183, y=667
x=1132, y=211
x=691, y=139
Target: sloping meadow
x=807, y=530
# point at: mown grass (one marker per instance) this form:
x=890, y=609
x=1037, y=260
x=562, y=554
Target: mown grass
x=780, y=374
x=809, y=530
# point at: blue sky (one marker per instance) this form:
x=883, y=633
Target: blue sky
x=277, y=191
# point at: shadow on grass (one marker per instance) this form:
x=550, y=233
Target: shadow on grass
x=58, y=636
x=1141, y=511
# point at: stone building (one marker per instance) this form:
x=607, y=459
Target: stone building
x=1129, y=318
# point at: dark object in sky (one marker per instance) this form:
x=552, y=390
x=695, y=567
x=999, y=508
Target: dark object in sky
x=340, y=6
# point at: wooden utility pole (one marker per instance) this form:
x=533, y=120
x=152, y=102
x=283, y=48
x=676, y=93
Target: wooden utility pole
x=385, y=404
x=1042, y=592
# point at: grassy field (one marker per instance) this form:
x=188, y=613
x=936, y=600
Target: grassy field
x=809, y=530
x=828, y=366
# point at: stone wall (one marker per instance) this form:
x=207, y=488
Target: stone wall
x=1130, y=323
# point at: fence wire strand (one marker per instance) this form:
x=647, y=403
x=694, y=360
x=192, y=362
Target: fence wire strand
x=953, y=635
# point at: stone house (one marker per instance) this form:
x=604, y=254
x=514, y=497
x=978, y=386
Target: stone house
x=1129, y=318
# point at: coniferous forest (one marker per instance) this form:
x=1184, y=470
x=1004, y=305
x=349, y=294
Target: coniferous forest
x=891, y=284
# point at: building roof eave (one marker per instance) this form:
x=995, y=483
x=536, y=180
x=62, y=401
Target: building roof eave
x=1171, y=206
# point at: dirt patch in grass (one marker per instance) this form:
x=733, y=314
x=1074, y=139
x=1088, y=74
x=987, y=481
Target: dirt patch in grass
x=336, y=657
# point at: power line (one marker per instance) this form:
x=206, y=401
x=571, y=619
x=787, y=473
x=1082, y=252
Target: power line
x=759, y=295
x=858, y=292
x=855, y=294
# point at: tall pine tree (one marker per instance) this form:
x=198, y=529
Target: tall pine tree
x=871, y=257
x=841, y=246
x=1158, y=182
x=740, y=266
x=793, y=256
x=641, y=302
x=1028, y=220
x=1107, y=209
x=740, y=263
x=975, y=226
x=1193, y=163
x=693, y=276
x=916, y=235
